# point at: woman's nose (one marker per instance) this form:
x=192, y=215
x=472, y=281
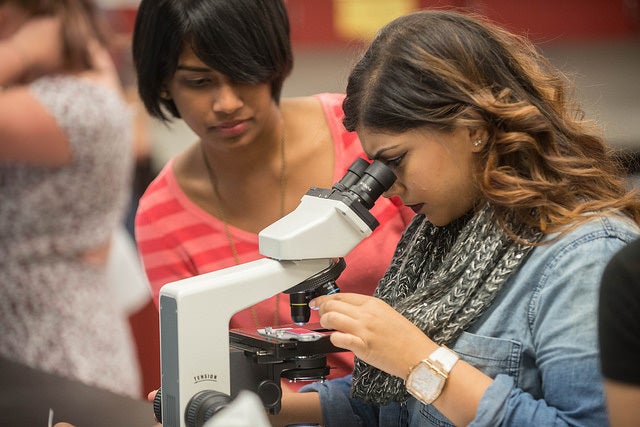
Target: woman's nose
x=393, y=190
x=227, y=99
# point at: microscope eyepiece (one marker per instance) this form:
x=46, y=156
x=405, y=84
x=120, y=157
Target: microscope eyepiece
x=376, y=179
x=353, y=175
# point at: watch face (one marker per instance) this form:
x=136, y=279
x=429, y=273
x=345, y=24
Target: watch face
x=424, y=383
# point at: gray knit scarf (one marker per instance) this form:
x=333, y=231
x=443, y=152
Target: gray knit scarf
x=442, y=279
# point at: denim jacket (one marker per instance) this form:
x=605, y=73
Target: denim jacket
x=538, y=341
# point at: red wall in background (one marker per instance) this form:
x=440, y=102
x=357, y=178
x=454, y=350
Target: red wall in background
x=542, y=20
x=564, y=19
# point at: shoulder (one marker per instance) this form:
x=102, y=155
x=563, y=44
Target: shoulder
x=560, y=280
x=581, y=253
x=610, y=232
x=311, y=115
x=329, y=104
x=346, y=144
x=158, y=197
x=327, y=98
x=302, y=113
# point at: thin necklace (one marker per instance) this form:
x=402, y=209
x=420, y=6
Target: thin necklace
x=223, y=216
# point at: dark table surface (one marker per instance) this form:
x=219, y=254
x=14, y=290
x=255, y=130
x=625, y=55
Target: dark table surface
x=27, y=394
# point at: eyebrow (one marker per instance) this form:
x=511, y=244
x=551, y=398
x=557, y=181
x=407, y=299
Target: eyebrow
x=380, y=152
x=192, y=68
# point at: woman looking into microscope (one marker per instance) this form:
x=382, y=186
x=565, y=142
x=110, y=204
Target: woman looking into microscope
x=519, y=207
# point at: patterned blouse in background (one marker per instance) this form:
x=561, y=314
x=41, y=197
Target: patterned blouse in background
x=56, y=311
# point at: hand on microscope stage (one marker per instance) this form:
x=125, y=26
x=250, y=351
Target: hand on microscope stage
x=373, y=331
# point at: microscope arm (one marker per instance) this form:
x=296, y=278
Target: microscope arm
x=194, y=319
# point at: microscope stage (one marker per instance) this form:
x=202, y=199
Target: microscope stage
x=284, y=342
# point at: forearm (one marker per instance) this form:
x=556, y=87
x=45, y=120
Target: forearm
x=298, y=408
x=14, y=63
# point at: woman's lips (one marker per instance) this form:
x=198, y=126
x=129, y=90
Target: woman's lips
x=232, y=128
x=416, y=208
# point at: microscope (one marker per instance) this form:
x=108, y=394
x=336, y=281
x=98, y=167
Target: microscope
x=204, y=365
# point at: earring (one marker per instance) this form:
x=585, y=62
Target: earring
x=164, y=94
x=477, y=142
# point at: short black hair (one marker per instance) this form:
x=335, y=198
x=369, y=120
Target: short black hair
x=246, y=40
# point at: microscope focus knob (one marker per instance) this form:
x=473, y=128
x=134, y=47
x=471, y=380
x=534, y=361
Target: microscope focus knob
x=204, y=405
x=270, y=393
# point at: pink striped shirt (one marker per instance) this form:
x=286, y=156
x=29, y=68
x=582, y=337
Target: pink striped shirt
x=177, y=239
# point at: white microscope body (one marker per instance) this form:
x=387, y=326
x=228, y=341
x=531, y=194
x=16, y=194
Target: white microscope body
x=195, y=312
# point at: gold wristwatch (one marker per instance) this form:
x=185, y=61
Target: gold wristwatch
x=426, y=379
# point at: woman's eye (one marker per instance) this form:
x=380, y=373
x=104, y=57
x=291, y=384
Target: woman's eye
x=197, y=82
x=394, y=162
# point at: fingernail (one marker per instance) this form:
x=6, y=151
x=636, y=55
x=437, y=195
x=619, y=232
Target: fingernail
x=312, y=305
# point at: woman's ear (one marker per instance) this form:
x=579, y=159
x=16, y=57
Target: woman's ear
x=478, y=138
x=164, y=93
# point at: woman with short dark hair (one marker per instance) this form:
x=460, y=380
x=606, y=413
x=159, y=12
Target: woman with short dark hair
x=219, y=65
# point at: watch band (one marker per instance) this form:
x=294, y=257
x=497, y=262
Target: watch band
x=445, y=357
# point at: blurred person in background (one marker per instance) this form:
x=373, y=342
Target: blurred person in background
x=220, y=65
x=65, y=166
x=619, y=333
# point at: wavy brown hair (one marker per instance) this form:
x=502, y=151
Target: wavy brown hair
x=80, y=21
x=542, y=166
